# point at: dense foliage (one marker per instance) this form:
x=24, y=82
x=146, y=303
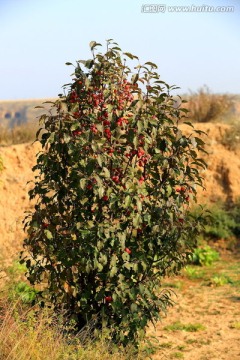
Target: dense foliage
x=114, y=182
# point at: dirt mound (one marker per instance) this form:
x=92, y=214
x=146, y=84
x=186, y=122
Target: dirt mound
x=18, y=161
x=222, y=181
x=221, y=178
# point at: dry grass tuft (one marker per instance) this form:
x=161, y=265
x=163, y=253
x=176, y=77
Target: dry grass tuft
x=18, y=135
x=27, y=335
x=205, y=107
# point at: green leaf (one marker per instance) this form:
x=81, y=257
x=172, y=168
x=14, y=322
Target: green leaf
x=127, y=201
x=141, y=289
x=131, y=56
x=90, y=166
x=92, y=44
x=188, y=123
x=134, y=307
x=139, y=205
x=135, y=78
x=113, y=271
x=125, y=256
x=48, y=234
x=136, y=220
x=106, y=172
x=100, y=191
x=99, y=160
x=151, y=64
x=82, y=183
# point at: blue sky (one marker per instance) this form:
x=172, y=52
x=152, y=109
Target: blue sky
x=191, y=49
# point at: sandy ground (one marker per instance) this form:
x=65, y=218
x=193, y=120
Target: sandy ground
x=216, y=308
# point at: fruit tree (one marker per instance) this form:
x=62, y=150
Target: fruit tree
x=114, y=181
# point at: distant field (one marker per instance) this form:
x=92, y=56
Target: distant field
x=17, y=112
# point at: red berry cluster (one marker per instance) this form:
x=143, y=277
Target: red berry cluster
x=123, y=94
x=91, y=183
x=76, y=133
x=184, y=192
x=117, y=175
x=96, y=99
x=73, y=97
x=94, y=129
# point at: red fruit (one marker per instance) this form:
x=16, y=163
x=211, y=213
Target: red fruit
x=76, y=132
x=141, y=180
x=139, y=231
x=105, y=198
x=106, y=122
x=76, y=114
x=181, y=220
x=128, y=251
x=115, y=178
x=187, y=198
x=45, y=225
x=93, y=129
x=89, y=186
x=140, y=152
x=108, y=299
x=183, y=189
x=107, y=133
x=178, y=189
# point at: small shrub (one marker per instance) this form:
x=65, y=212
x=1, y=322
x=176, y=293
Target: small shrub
x=219, y=280
x=221, y=223
x=193, y=273
x=231, y=138
x=116, y=176
x=204, y=256
x=23, y=292
x=204, y=106
x=234, y=212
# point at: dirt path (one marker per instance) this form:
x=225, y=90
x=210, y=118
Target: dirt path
x=208, y=311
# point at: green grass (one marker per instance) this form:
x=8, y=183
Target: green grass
x=178, y=326
x=177, y=355
x=194, y=273
x=167, y=345
x=235, y=325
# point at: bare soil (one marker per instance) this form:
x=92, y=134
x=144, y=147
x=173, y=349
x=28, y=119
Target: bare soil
x=206, y=304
